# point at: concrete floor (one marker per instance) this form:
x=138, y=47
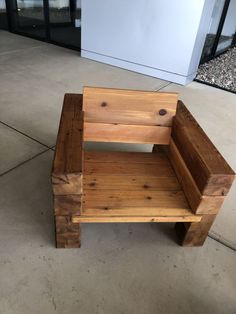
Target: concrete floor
x=121, y=268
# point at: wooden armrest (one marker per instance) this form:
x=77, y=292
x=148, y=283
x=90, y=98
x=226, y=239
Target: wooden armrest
x=210, y=171
x=68, y=159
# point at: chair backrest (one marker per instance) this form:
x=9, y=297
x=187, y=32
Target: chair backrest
x=128, y=116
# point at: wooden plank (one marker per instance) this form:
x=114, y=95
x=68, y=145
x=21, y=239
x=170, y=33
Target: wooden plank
x=129, y=183
x=199, y=204
x=123, y=169
x=127, y=157
x=101, y=132
x=124, y=99
x=67, y=165
x=106, y=105
x=130, y=117
x=69, y=146
x=195, y=233
x=111, y=219
x=210, y=171
x=118, y=202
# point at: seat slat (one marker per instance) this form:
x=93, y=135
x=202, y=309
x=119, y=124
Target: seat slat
x=113, y=219
x=117, y=201
x=130, y=183
x=131, y=157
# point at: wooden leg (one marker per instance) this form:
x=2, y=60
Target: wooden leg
x=67, y=233
x=194, y=233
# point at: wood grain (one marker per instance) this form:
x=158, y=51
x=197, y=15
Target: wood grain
x=124, y=157
x=210, y=171
x=65, y=205
x=199, y=204
x=128, y=106
x=113, y=219
x=67, y=233
x=130, y=182
x=68, y=158
x=103, y=132
x=69, y=146
x=195, y=233
x=117, y=199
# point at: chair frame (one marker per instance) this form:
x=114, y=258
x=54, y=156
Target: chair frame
x=203, y=174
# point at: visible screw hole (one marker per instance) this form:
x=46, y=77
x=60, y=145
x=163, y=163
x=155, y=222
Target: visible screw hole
x=162, y=112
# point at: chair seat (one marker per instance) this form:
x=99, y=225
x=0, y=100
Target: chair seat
x=131, y=187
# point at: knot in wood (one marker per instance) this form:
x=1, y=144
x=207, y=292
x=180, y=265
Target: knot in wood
x=162, y=112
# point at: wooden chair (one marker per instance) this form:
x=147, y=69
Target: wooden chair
x=184, y=180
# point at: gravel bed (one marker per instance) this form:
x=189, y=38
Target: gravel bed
x=220, y=71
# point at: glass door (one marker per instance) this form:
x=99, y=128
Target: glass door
x=212, y=32
x=3, y=15
x=222, y=31
x=65, y=22
x=56, y=21
x=227, y=35
x=28, y=17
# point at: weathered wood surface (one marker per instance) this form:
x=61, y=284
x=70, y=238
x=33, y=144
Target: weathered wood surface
x=199, y=203
x=195, y=233
x=210, y=171
x=104, y=132
x=67, y=205
x=106, y=105
x=68, y=158
x=67, y=172
x=67, y=233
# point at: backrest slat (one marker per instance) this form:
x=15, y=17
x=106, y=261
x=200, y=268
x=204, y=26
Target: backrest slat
x=103, y=132
x=106, y=107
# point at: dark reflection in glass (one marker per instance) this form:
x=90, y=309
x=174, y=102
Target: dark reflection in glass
x=29, y=17
x=65, y=22
x=3, y=15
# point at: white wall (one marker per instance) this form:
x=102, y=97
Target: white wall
x=148, y=36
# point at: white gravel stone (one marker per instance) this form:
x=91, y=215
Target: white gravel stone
x=220, y=71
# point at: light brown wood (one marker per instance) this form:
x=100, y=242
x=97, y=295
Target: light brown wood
x=102, y=132
x=199, y=204
x=130, y=183
x=163, y=169
x=112, y=219
x=115, y=200
x=184, y=183
x=128, y=106
x=124, y=157
x=210, y=171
